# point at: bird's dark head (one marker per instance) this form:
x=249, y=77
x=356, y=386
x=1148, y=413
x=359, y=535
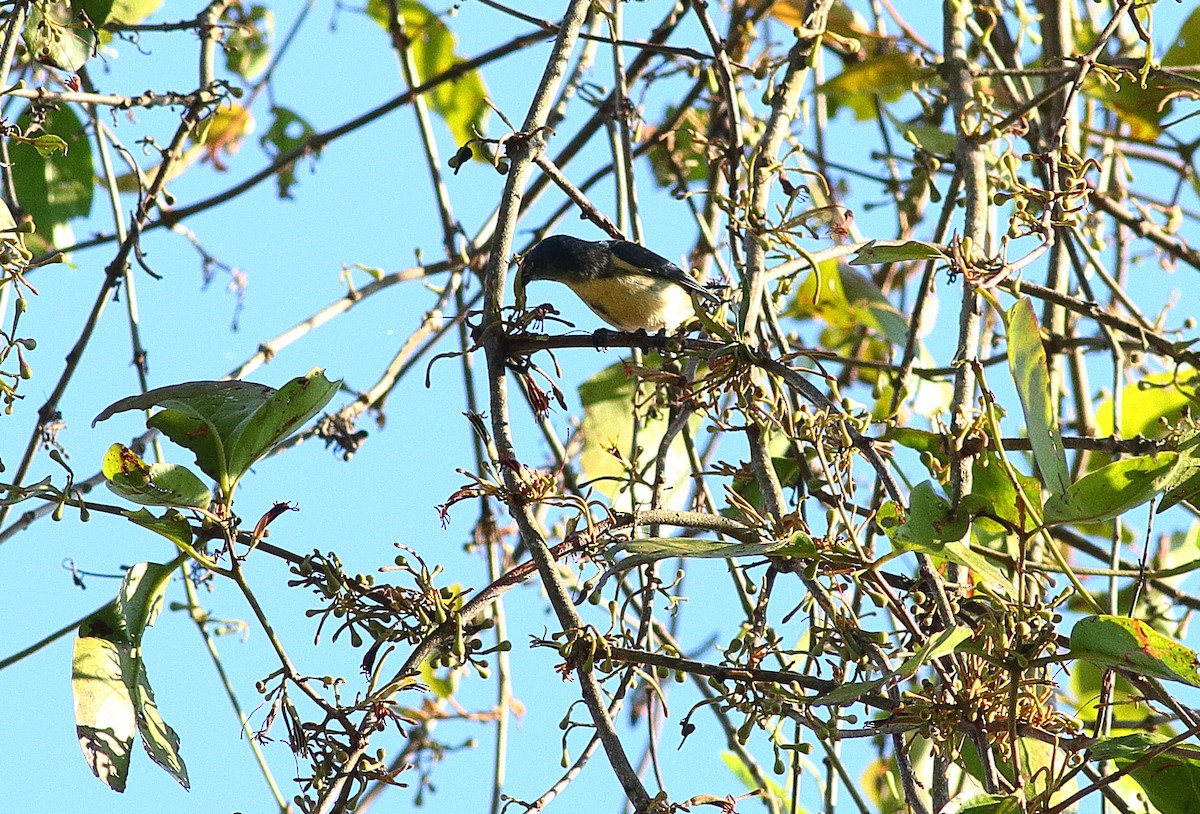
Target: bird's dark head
x=563, y=259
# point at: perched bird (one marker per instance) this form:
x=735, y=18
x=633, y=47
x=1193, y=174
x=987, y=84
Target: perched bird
x=628, y=286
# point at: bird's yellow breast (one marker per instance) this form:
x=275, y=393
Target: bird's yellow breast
x=632, y=301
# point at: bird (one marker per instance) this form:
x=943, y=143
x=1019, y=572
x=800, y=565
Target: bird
x=626, y=285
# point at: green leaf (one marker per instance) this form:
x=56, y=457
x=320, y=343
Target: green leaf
x=821, y=294
x=221, y=131
x=1113, y=489
x=991, y=484
x=205, y=423
x=200, y=421
x=248, y=44
x=97, y=11
x=1144, y=102
x=113, y=698
x=750, y=781
x=798, y=544
x=939, y=644
x=1170, y=779
x=1139, y=108
x=929, y=138
x=1027, y=362
x=1118, y=641
x=441, y=687
x=172, y=525
x=923, y=441
x=56, y=36
x=652, y=549
x=1184, y=484
x=1042, y=767
x=8, y=224
x=56, y=188
x=746, y=486
x=961, y=554
x=46, y=145
x=105, y=716
x=133, y=11
x=113, y=701
x=141, y=598
x=287, y=132
x=12, y=241
x=1086, y=696
x=890, y=251
x=105, y=623
x=460, y=102
x=889, y=75
x=681, y=158
x=930, y=527
x=850, y=303
x=230, y=424
x=1150, y=406
x=845, y=298
x=152, y=484
x=1185, y=48
x=870, y=306
x=658, y=548
x=929, y=519
x=1133, y=746
x=158, y=738
x=606, y=431
x=284, y=413
x=991, y=804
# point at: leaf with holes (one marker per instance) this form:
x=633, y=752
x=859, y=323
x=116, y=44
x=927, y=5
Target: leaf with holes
x=157, y=484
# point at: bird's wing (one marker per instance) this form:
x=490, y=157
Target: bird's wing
x=642, y=258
